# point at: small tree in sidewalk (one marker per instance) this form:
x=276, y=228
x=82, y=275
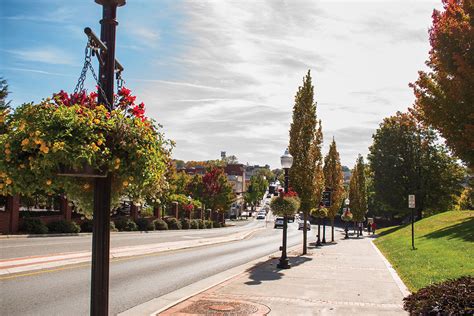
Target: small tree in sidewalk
x=334, y=179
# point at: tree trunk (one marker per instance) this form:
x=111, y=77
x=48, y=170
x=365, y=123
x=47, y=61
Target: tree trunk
x=305, y=218
x=332, y=229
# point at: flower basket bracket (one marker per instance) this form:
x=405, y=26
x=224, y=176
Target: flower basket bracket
x=85, y=172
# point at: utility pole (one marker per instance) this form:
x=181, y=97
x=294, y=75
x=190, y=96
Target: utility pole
x=103, y=186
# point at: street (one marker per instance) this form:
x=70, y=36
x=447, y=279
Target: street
x=135, y=280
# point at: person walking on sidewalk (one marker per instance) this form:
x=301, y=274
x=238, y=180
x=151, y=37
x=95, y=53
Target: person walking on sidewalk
x=373, y=228
x=369, y=227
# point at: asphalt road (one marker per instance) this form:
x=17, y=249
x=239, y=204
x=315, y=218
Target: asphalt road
x=35, y=246
x=134, y=280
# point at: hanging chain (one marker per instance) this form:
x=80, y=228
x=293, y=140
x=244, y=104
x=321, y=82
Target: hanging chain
x=89, y=51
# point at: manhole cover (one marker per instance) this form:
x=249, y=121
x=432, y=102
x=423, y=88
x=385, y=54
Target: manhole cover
x=221, y=308
x=224, y=308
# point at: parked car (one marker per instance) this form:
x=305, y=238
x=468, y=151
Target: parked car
x=260, y=216
x=269, y=196
x=278, y=222
x=301, y=225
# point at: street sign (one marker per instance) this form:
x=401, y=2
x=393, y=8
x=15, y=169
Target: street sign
x=411, y=201
x=327, y=198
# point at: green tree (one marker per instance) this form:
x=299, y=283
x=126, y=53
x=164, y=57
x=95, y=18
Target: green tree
x=256, y=190
x=406, y=158
x=334, y=179
x=306, y=176
x=4, y=106
x=445, y=95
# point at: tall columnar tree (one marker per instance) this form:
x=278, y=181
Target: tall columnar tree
x=305, y=147
x=445, y=95
x=406, y=158
x=334, y=179
x=358, y=192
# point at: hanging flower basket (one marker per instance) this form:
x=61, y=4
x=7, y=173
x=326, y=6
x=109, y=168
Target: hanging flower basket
x=347, y=216
x=75, y=136
x=285, y=206
x=320, y=212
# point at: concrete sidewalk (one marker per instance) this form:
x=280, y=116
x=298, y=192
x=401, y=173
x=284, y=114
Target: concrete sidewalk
x=349, y=277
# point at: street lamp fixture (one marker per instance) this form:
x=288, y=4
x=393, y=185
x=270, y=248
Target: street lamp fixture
x=286, y=163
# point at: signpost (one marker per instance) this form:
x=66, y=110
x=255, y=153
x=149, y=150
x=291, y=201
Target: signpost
x=327, y=198
x=411, y=205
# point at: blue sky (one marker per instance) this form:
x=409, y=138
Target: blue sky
x=222, y=75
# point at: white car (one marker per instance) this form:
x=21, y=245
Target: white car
x=301, y=225
x=260, y=216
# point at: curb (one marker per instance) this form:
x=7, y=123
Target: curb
x=401, y=286
x=157, y=305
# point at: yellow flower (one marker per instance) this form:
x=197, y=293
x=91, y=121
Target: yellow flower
x=21, y=127
x=8, y=181
x=30, y=158
x=22, y=166
x=38, y=141
x=125, y=183
x=117, y=161
x=130, y=178
x=48, y=182
x=25, y=142
x=8, y=151
x=94, y=147
x=86, y=186
x=96, y=121
x=3, y=175
x=44, y=148
x=99, y=142
x=117, y=167
x=7, y=145
x=1, y=185
x=37, y=133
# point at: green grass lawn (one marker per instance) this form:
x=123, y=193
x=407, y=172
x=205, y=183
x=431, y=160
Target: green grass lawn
x=444, y=248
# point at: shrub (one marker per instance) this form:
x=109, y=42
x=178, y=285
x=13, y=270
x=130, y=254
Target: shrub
x=144, y=224
x=112, y=227
x=173, y=223
x=64, y=226
x=86, y=226
x=34, y=226
x=185, y=223
x=194, y=224
x=453, y=297
x=125, y=224
x=201, y=224
x=160, y=224
x=208, y=224
x=216, y=224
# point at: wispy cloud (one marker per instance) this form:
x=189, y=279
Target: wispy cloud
x=47, y=55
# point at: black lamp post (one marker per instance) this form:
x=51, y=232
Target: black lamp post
x=324, y=230
x=318, y=242
x=102, y=186
x=286, y=163
x=346, y=228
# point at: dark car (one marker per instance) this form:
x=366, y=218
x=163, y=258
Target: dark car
x=278, y=222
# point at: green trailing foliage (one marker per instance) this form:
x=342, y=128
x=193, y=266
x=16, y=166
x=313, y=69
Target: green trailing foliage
x=173, y=223
x=285, y=206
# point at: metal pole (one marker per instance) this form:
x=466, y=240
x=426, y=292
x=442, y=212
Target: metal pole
x=318, y=242
x=324, y=231
x=103, y=186
x=412, y=229
x=284, y=262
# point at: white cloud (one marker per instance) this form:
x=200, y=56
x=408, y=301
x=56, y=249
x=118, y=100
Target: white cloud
x=241, y=62
x=47, y=55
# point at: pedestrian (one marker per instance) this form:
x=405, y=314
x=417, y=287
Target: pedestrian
x=373, y=228
x=369, y=227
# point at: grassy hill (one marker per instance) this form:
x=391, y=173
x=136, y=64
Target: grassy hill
x=444, y=248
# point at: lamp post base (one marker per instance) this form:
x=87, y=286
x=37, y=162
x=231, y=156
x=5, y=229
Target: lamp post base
x=318, y=243
x=284, y=264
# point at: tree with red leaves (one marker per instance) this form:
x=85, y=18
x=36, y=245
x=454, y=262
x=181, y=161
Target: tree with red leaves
x=216, y=190
x=445, y=95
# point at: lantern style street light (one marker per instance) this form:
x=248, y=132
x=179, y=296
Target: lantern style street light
x=286, y=163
